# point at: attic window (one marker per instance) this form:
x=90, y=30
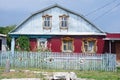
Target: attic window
x=47, y=22
x=89, y=45
x=64, y=21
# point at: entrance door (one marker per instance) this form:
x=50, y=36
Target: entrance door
x=0, y=44
x=118, y=51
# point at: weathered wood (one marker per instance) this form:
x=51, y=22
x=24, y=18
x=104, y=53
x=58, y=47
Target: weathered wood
x=48, y=60
x=7, y=66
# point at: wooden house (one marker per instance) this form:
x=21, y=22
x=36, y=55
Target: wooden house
x=58, y=29
x=3, y=44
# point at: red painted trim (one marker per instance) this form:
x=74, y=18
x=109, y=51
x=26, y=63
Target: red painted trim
x=56, y=44
x=77, y=45
x=33, y=44
x=100, y=45
x=113, y=35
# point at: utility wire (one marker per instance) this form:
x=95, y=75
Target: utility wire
x=100, y=8
x=107, y=11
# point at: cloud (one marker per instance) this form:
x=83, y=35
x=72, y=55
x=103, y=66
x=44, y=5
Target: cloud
x=19, y=9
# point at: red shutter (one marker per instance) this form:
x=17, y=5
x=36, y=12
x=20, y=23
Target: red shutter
x=33, y=45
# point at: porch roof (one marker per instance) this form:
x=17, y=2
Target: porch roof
x=114, y=39
x=2, y=35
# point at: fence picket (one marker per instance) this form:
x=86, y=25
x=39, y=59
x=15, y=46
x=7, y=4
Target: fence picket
x=49, y=60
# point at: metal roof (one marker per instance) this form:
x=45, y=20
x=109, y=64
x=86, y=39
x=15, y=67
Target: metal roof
x=115, y=39
x=2, y=35
x=56, y=5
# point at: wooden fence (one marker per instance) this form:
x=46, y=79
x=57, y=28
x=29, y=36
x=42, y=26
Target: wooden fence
x=67, y=61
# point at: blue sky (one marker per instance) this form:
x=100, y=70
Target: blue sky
x=15, y=11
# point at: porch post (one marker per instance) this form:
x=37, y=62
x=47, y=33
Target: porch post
x=13, y=45
x=109, y=46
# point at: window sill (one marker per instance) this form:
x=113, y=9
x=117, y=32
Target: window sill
x=63, y=27
x=67, y=51
x=89, y=52
x=47, y=28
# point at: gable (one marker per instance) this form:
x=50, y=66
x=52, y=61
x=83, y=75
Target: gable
x=77, y=24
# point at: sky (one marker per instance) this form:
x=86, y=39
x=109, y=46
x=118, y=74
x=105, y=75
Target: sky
x=106, y=17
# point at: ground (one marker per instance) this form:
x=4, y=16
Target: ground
x=36, y=73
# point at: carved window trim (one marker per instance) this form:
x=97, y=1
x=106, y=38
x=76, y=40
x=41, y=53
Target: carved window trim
x=47, y=22
x=67, y=40
x=63, y=21
x=42, y=44
x=86, y=42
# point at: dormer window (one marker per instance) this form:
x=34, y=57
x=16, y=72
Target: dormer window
x=63, y=22
x=47, y=22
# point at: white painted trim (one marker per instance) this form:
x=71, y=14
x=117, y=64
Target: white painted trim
x=59, y=33
x=13, y=45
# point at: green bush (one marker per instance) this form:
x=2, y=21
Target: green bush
x=22, y=43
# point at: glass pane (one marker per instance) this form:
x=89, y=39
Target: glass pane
x=64, y=22
x=65, y=47
x=86, y=48
x=69, y=45
x=47, y=22
x=42, y=44
x=91, y=45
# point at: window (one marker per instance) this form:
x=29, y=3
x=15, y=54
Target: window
x=89, y=45
x=42, y=44
x=47, y=22
x=67, y=44
x=64, y=22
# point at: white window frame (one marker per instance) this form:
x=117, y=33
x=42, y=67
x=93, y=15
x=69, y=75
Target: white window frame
x=63, y=21
x=47, y=22
x=86, y=48
x=67, y=40
x=39, y=41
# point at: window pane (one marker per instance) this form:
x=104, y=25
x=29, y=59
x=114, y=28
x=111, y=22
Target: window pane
x=91, y=45
x=42, y=44
x=64, y=22
x=47, y=21
x=65, y=47
x=69, y=45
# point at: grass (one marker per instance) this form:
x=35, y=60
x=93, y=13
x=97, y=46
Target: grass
x=97, y=75
x=17, y=74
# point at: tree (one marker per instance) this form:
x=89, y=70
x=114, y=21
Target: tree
x=22, y=43
x=5, y=30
